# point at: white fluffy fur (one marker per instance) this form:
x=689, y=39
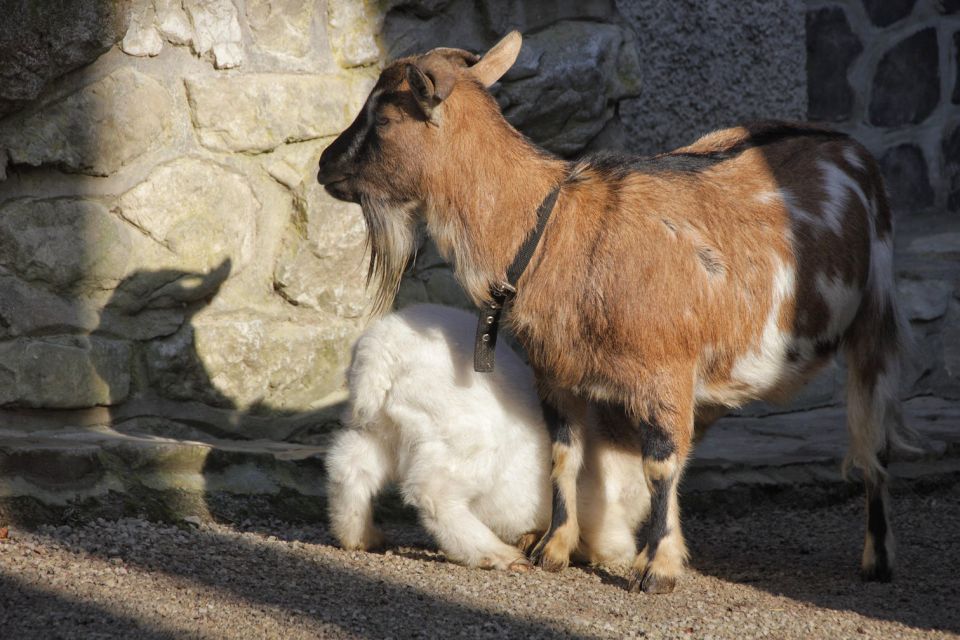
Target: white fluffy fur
x=469, y=450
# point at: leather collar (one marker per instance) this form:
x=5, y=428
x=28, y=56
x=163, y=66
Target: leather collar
x=501, y=294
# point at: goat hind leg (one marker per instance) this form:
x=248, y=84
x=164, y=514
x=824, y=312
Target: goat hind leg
x=665, y=442
x=871, y=406
x=876, y=427
x=878, y=547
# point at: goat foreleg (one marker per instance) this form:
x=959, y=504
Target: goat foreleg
x=565, y=421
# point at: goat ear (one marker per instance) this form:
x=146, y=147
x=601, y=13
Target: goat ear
x=498, y=60
x=422, y=88
x=457, y=57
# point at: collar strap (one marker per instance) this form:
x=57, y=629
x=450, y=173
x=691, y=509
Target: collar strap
x=501, y=294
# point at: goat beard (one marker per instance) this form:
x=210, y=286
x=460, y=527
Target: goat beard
x=391, y=240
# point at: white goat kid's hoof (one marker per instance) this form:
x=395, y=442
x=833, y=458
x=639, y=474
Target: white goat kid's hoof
x=372, y=540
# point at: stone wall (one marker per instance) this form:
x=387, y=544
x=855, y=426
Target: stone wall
x=168, y=264
x=888, y=73
x=167, y=261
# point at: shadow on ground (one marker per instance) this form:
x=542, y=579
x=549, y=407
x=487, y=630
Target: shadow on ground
x=813, y=556
x=83, y=618
x=265, y=576
x=770, y=558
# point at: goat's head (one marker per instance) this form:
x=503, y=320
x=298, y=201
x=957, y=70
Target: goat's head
x=392, y=142
x=417, y=120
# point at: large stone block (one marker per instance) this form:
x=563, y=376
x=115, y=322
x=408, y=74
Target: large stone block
x=96, y=130
x=195, y=216
x=30, y=310
x=906, y=86
x=831, y=48
x=216, y=29
x=924, y=300
x=64, y=372
x=322, y=261
x=64, y=244
x=955, y=97
x=952, y=339
x=883, y=13
x=353, y=26
x=40, y=41
x=562, y=91
x=260, y=112
x=66, y=259
x=908, y=183
x=951, y=167
x=946, y=381
x=252, y=362
x=281, y=27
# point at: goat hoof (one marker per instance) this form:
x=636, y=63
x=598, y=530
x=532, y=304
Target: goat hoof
x=546, y=555
x=528, y=540
x=549, y=561
x=649, y=582
x=521, y=565
x=877, y=573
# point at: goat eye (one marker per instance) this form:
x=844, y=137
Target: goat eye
x=382, y=121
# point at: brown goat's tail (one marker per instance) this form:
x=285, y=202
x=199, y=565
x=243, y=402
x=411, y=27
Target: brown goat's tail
x=877, y=346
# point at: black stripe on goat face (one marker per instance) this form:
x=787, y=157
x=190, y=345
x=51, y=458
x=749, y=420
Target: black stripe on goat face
x=341, y=161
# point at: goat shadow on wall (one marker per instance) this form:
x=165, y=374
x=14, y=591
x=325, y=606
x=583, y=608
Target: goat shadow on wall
x=174, y=396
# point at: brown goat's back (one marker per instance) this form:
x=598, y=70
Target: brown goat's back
x=745, y=263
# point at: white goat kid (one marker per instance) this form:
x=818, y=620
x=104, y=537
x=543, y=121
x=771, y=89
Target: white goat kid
x=470, y=451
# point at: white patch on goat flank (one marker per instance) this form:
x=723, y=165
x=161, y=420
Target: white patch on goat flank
x=853, y=158
x=761, y=368
x=797, y=214
x=842, y=299
x=838, y=183
x=765, y=366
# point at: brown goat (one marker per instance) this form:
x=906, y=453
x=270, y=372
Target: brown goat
x=663, y=289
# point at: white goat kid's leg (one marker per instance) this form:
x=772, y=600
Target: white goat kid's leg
x=608, y=537
x=358, y=467
x=459, y=533
x=613, y=501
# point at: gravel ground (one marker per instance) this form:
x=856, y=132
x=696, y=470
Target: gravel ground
x=775, y=572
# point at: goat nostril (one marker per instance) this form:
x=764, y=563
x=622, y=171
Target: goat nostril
x=328, y=175
x=324, y=174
